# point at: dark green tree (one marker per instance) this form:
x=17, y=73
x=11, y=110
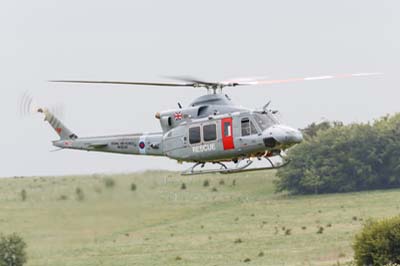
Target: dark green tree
x=378, y=243
x=338, y=158
x=12, y=250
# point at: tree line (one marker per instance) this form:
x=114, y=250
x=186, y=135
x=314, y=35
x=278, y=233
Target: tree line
x=341, y=158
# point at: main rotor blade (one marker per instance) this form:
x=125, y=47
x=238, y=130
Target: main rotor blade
x=191, y=80
x=292, y=80
x=127, y=83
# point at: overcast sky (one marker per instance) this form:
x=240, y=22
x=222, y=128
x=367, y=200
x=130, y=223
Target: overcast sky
x=146, y=40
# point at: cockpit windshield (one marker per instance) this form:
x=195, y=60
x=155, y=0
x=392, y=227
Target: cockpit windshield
x=265, y=120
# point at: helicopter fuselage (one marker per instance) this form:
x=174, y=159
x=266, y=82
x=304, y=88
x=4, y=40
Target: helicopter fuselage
x=210, y=130
x=227, y=137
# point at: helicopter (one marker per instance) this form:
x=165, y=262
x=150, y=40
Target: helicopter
x=210, y=130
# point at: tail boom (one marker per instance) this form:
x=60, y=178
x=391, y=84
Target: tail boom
x=140, y=144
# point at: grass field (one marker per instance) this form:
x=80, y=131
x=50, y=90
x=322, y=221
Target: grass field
x=161, y=224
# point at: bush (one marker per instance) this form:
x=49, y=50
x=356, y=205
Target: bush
x=12, y=250
x=238, y=241
x=109, y=182
x=79, y=194
x=23, y=195
x=337, y=158
x=133, y=187
x=183, y=186
x=63, y=197
x=378, y=243
x=320, y=230
x=206, y=183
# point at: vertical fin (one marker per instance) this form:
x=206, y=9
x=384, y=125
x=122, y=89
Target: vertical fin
x=57, y=125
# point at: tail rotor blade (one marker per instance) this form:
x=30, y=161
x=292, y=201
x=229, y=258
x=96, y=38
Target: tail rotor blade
x=26, y=105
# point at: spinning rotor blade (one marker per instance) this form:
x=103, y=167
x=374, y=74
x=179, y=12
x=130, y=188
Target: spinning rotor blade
x=193, y=82
x=28, y=106
x=292, y=80
x=189, y=82
x=126, y=83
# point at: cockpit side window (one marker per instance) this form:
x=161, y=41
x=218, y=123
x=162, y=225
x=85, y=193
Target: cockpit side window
x=265, y=120
x=245, y=127
x=253, y=128
x=248, y=127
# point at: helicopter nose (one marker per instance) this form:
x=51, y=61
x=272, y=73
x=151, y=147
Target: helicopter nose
x=281, y=136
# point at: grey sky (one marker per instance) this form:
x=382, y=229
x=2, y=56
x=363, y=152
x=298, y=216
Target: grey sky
x=145, y=40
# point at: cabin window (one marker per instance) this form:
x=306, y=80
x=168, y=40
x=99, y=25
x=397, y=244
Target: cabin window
x=227, y=129
x=210, y=132
x=248, y=127
x=194, y=135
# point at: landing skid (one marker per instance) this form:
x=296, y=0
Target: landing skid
x=235, y=169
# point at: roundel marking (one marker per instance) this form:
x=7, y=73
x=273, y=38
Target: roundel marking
x=142, y=145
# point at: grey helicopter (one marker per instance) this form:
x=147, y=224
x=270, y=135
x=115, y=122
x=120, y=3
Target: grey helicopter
x=211, y=130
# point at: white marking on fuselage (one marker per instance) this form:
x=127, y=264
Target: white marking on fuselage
x=204, y=148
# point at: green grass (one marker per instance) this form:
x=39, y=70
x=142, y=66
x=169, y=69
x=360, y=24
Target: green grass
x=161, y=224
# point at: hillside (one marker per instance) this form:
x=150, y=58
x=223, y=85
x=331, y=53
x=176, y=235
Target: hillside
x=161, y=224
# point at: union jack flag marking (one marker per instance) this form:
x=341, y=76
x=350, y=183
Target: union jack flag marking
x=178, y=116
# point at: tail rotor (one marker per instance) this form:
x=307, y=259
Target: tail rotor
x=27, y=106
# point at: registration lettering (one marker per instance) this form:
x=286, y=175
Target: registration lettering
x=204, y=148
